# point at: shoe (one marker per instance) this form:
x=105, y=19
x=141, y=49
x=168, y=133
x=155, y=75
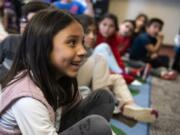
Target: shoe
x=170, y=75
x=113, y=133
x=140, y=114
x=116, y=110
x=136, y=83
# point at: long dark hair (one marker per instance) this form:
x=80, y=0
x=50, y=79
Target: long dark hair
x=143, y=29
x=33, y=57
x=142, y=15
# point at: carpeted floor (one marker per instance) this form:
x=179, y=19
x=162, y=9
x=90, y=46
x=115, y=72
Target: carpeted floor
x=166, y=98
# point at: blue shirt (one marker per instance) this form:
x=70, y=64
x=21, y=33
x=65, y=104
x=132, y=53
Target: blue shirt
x=138, y=50
x=73, y=7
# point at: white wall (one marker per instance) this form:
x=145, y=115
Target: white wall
x=167, y=10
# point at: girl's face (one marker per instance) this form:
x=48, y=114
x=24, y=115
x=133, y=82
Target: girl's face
x=140, y=22
x=90, y=36
x=107, y=27
x=68, y=50
x=126, y=29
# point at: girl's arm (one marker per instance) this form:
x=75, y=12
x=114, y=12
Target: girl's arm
x=33, y=117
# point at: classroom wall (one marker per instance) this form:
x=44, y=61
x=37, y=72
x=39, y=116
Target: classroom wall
x=167, y=10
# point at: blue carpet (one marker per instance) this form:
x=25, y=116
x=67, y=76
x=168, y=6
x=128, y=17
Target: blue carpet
x=142, y=99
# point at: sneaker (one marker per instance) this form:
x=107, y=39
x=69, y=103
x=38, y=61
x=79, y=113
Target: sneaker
x=113, y=133
x=136, y=83
x=140, y=114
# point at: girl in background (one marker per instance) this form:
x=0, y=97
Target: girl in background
x=140, y=22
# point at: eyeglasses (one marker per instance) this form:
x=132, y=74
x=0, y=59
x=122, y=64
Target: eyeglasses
x=23, y=20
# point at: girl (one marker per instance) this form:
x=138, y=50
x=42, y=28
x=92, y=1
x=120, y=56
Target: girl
x=94, y=74
x=125, y=36
x=140, y=22
x=40, y=95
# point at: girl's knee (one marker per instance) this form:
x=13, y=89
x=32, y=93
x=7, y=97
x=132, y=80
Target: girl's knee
x=102, y=46
x=105, y=94
x=100, y=125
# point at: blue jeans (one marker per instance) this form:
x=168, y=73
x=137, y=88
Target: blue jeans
x=107, y=53
x=90, y=116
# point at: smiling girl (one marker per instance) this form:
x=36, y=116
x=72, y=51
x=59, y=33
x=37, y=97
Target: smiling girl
x=40, y=95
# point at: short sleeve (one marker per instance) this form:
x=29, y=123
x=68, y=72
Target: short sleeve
x=145, y=41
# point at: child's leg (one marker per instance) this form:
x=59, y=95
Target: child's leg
x=120, y=89
x=90, y=125
x=126, y=102
x=3, y=73
x=163, y=73
x=105, y=50
x=100, y=76
x=100, y=102
x=85, y=72
x=160, y=61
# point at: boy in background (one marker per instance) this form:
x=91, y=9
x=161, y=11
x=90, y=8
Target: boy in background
x=146, y=48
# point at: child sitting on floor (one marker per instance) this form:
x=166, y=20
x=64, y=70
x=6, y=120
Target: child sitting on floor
x=146, y=48
x=40, y=95
x=125, y=36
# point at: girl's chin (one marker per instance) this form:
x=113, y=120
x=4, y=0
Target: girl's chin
x=106, y=36
x=72, y=74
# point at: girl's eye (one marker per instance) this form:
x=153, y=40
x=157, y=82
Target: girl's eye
x=104, y=24
x=72, y=43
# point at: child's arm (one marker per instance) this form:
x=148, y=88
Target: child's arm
x=33, y=117
x=89, y=11
x=155, y=48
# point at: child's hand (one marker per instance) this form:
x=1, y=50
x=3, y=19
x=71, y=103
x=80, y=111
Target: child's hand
x=160, y=37
x=154, y=55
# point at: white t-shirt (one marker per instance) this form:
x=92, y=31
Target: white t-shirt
x=31, y=116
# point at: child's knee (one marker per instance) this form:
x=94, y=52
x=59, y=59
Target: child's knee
x=100, y=126
x=105, y=95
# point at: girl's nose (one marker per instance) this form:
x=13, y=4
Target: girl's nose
x=81, y=50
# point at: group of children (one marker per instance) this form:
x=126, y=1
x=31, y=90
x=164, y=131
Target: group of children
x=65, y=74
